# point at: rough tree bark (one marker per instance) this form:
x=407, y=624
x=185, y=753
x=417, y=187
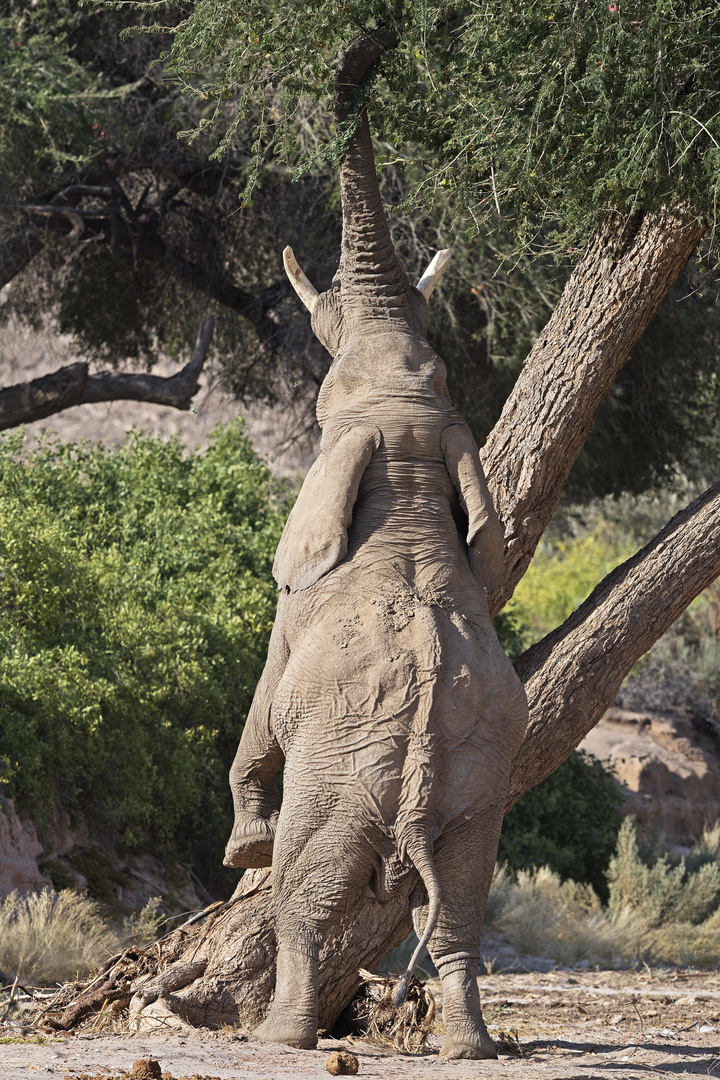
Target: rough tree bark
x=72, y=385
x=616, y=289
x=226, y=970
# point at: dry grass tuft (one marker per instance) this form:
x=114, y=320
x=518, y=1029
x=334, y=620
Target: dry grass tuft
x=52, y=937
x=663, y=912
x=542, y=915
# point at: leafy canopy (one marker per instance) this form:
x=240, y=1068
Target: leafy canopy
x=546, y=114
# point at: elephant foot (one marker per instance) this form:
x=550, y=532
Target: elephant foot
x=298, y=1033
x=251, y=843
x=467, y=1036
x=472, y=1043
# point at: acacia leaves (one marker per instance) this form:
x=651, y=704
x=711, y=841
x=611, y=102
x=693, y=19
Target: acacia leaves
x=544, y=115
x=52, y=104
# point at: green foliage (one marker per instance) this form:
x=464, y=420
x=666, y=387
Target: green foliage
x=58, y=107
x=561, y=575
x=569, y=823
x=660, y=893
x=136, y=601
x=540, y=113
x=153, y=262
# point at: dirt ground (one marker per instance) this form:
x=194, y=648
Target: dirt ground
x=567, y=1025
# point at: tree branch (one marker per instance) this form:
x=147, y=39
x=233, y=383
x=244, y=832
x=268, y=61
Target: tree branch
x=71, y=385
x=615, y=290
x=71, y=239
x=574, y=673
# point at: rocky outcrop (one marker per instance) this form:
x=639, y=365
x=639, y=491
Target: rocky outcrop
x=72, y=859
x=669, y=763
x=19, y=849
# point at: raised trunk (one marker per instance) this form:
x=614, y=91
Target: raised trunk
x=369, y=268
x=574, y=673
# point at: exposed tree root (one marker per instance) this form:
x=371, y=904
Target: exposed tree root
x=372, y=1015
x=220, y=968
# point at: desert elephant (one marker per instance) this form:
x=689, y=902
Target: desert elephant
x=386, y=691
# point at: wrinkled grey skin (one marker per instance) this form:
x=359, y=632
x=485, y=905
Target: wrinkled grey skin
x=386, y=691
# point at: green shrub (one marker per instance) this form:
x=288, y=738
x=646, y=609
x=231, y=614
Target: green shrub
x=561, y=575
x=136, y=602
x=568, y=823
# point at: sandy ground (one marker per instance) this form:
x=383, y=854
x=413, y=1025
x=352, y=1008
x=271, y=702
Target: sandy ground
x=569, y=1026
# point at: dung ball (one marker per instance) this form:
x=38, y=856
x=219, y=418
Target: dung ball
x=146, y=1069
x=342, y=1063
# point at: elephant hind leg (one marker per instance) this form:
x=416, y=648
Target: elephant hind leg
x=321, y=865
x=464, y=860
x=293, y=1017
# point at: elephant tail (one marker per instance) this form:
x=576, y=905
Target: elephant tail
x=419, y=849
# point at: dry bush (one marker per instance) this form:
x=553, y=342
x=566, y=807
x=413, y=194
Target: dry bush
x=678, y=905
x=708, y=846
x=52, y=937
x=542, y=915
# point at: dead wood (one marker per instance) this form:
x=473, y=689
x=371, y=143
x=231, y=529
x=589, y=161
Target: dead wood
x=72, y=385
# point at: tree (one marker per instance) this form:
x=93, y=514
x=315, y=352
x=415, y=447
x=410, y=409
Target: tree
x=637, y=249
x=126, y=239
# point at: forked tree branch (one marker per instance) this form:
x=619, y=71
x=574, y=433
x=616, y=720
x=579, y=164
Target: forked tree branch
x=574, y=673
x=72, y=385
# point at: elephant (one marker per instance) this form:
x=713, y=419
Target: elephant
x=386, y=691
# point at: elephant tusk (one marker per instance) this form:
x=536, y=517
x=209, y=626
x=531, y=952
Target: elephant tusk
x=307, y=292
x=430, y=278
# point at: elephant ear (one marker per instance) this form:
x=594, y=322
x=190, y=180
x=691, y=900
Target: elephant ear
x=485, y=538
x=315, y=537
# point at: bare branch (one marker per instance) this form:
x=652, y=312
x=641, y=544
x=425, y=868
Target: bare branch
x=71, y=385
x=71, y=239
x=574, y=673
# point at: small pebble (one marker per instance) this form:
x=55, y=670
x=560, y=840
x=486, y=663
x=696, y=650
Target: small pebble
x=342, y=1063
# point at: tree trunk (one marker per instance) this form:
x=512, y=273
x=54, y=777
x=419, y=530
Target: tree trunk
x=570, y=677
x=615, y=290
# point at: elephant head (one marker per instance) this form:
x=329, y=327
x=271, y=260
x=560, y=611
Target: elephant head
x=372, y=320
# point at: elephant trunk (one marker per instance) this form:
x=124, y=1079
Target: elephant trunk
x=419, y=849
x=371, y=277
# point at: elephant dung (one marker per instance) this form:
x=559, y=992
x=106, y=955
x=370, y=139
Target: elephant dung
x=342, y=1063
